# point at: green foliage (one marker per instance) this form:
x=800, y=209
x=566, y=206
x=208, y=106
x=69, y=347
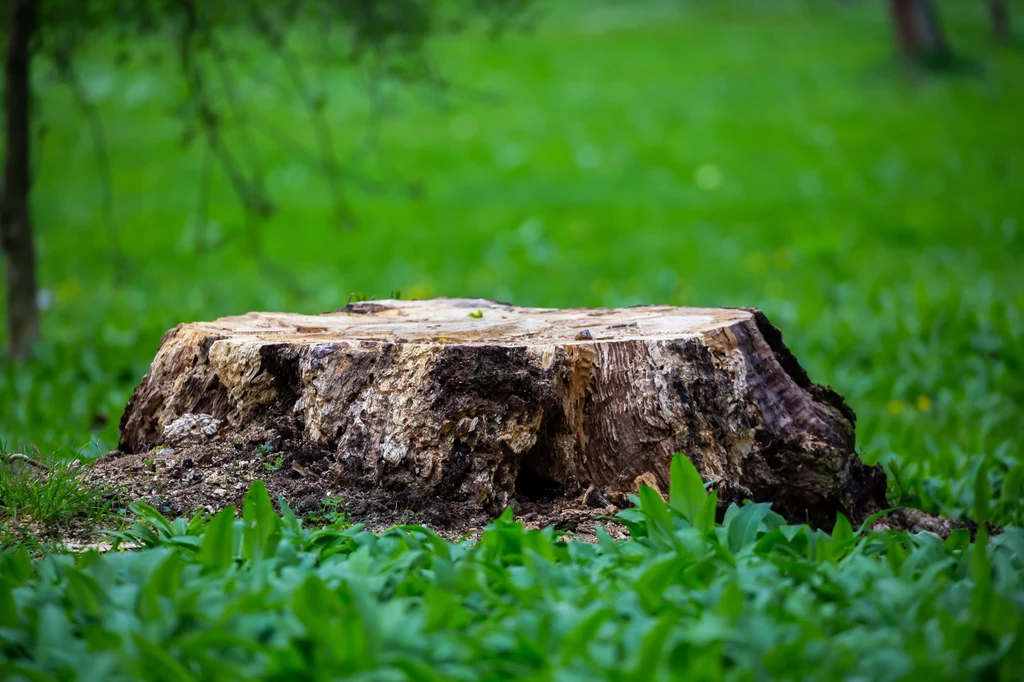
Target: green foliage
x=691, y=153
x=331, y=511
x=44, y=496
x=750, y=599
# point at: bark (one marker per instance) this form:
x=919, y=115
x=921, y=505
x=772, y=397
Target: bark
x=15, y=217
x=1000, y=13
x=433, y=398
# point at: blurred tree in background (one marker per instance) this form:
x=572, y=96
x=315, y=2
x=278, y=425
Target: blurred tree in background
x=920, y=33
x=15, y=218
x=1000, y=12
x=919, y=30
x=209, y=40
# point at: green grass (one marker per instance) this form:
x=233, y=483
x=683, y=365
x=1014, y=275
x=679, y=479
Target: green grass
x=750, y=599
x=42, y=499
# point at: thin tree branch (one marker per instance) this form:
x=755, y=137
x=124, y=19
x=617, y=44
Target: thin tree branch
x=19, y=457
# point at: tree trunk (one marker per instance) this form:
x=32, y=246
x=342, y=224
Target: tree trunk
x=902, y=13
x=933, y=36
x=15, y=215
x=919, y=31
x=478, y=403
x=1000, y=13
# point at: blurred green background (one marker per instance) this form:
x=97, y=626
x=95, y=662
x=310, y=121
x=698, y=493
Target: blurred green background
x=770, y=154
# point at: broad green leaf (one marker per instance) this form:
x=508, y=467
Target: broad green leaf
x=895, y=553
x=842, y=532
x=578, y=639
x=981, y=573
x=767, y=542
x=730, y=603
x=650, y=652
x=154, y=663
x=261, y=525
x=790, y=531
x=55, y=636
x=16, y=566
x=8, y=609
x=634, y=520
x=982, y=493
x=743, y=524
x=154, y=517
x=218, y=545
x=84, y=593
x=706, y=519
x=161, y=588
x=686, y=489
x=958, y=540
x=656, y=510
x=1011, y=494
x=290, y=521
x=651, y=584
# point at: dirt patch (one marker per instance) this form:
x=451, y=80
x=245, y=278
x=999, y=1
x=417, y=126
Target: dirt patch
x=183, y=480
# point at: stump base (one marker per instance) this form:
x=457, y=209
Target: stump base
x=474, y=403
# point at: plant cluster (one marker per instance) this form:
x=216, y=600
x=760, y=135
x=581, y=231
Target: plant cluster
x=751, y=598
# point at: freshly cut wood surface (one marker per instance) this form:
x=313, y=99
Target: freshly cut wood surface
x=478, y=402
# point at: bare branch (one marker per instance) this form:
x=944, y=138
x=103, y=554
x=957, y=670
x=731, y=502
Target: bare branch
x=19, y=457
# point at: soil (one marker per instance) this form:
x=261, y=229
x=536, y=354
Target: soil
x=208, y=477
x=183, y=480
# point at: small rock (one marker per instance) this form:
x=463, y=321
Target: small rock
x=164, y=452
x=191, y=428
x=163, y=466
x=220, y=492
x=648, y=479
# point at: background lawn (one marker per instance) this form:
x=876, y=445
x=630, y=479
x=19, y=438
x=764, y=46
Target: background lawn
x=767, y=154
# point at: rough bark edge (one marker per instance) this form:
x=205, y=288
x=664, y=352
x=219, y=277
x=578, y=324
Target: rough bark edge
x=773, y=337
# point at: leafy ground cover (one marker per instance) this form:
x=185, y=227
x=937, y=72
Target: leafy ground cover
x=777, y=159
x=750, y=599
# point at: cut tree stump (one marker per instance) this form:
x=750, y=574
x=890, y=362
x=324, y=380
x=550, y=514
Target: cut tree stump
x=476, y=402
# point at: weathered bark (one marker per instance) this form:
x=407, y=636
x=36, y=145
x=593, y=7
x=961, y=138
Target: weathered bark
x=919, y=31
x=15, y=216
x=478, y=402
x=999, y=11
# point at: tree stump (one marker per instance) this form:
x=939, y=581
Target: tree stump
x=477, y=402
